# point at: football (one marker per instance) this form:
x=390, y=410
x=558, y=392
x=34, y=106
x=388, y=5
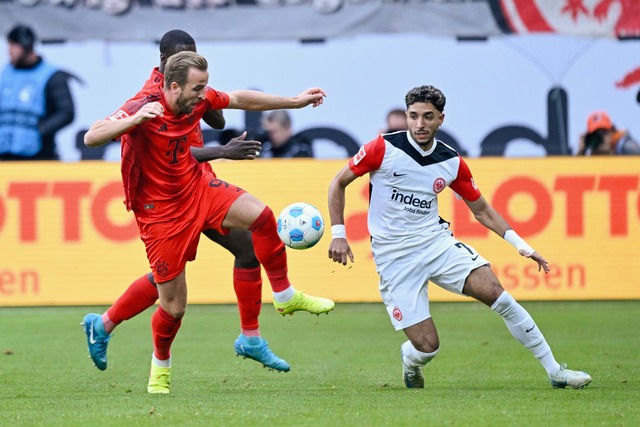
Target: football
x=300, y=225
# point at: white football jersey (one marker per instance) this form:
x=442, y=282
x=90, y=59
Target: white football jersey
x=404, y=185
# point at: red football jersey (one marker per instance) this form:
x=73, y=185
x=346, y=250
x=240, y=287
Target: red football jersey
x=154, y=84
x=157, y=165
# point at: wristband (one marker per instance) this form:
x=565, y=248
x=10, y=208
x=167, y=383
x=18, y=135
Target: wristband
x=517, y=241
x=338, y=231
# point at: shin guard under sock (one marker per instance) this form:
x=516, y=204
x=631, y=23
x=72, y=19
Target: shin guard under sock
x=247, y=283
x=270, y=250
x=164, y=328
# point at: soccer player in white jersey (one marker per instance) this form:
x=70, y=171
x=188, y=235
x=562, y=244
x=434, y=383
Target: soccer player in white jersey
x=407, y=170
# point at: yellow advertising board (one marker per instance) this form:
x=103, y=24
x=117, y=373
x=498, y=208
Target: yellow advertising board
x=66, y=238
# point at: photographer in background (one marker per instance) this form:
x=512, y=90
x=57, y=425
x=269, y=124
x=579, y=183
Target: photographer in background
x=602, y=138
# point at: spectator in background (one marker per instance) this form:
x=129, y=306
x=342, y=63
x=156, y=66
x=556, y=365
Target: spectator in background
x=396, y=120
x=278, y=139
x=602, y=137
x=35, y=101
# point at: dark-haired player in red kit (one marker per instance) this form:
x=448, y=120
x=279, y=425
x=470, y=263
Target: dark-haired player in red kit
x=174, y=200
x=247, y=277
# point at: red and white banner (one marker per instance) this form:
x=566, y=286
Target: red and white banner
x=146, y=20
x=594, y=18
x=66, y=238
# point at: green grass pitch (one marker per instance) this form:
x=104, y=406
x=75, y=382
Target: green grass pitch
x=345, y=370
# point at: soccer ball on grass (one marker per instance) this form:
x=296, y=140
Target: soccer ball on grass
x=300, y=225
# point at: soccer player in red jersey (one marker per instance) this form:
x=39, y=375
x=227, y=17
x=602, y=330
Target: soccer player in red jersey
x=247, y=277
x=407, y=170
x=174, y=200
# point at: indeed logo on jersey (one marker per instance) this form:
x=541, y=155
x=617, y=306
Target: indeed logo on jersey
x=412, y=203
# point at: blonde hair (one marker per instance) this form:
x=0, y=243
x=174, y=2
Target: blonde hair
x=179, y=65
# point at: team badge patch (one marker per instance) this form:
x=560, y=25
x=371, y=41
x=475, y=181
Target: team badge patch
x=118, y=115
x=359, y=155
x=439, y=185
x=397, y=314
x=162, y=268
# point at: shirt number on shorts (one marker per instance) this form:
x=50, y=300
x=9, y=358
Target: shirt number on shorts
x=461, y=245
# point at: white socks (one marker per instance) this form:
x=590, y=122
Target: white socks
x=160, y=363
x=285, y=295
x=415, y=358
x=524, y=329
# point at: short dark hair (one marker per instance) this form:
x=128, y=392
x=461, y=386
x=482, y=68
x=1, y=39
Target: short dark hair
x=174, y=38
x=426, y=94
x=22, y=35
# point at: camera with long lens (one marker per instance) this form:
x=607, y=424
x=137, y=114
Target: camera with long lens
x=593, y=140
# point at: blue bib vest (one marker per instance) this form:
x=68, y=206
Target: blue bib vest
x=22, y=104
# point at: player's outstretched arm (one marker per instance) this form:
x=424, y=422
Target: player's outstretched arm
x=254, y=100
x=339, y=249
x=236, y=149
x=490, y=218
x=107, y=130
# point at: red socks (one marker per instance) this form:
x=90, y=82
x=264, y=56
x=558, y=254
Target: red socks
x=247, y=282
x=139, y=296
x=270, y=250
x=164, y=328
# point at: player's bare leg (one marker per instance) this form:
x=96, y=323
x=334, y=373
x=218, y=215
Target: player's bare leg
x=416, y=352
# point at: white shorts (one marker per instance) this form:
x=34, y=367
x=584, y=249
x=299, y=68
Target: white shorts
x=404, y=280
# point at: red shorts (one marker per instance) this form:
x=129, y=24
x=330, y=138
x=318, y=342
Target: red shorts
x=171, y=234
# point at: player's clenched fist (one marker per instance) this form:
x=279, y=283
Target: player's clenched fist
x=149, y=111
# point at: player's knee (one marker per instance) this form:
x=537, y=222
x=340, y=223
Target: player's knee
x=174, y=307
x=264, y=219
x=245, y=256
x=176, y=311
x=483, y=285
x=426, y=345
x=246, y=260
